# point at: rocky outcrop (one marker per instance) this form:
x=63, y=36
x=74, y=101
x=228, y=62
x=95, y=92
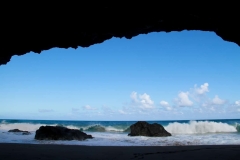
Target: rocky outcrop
x=60, y=133
x=142, y=128
x=19, y=131
x=96, y=22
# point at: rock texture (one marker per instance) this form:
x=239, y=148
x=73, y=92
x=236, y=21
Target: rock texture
x=19, y=131
x=60, y=133
x=38, y=26
x=142, y=128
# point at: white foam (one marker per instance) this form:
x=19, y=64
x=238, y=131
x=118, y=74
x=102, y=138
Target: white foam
x=6, y=137
x=109, y=128
x=90, y=126
x=122, y=139
x=228, y=135
x=27, y=126
x=20, y=126
x=3, y=121
x=69, y=126
x=199, y=127
x=118, y=139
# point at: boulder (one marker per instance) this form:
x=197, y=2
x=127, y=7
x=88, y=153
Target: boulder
x=19, y=131
x=60, y=133
x=142, y=128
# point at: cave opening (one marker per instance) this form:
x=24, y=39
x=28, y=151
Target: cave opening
x=178, y=78
x=145, y=64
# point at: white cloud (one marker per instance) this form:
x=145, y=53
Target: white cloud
x=166, y=105
x=237, y=103
x=143, y=101
x=216, y=100
x=146, y=101
x=169, y=108
x=134, y=96
x=198, y=94
x=122, y=112
x=45, y=110
x=203, y=89
x=88, y=107
x=183, y=100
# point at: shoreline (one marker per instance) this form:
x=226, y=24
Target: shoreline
x=17, y=151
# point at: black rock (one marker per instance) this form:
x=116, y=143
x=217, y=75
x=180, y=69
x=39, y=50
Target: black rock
x=142, y=128
x=26, y=133
x=60, y=133
x=19, y=131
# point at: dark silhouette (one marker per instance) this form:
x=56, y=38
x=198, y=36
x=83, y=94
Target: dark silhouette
x=19, y=131
x=60, y=133
x=142, y=128
x=28, y=28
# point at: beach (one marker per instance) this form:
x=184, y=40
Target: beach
x=11, y=151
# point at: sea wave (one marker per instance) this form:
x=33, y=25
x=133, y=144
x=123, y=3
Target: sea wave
x=238, y=127
x=200, y=127
x=20, y=126
x=101, y=128
x=3, y=122
x=33, y=127
x=192, y=127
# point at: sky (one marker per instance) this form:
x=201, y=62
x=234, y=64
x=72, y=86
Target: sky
x=184, y=75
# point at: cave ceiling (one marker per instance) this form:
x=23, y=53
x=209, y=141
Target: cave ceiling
x=38, y=29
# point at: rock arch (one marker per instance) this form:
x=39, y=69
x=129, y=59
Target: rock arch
x=31, y=29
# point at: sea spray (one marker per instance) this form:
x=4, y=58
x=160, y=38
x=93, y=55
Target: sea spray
x=115, y=133
x=178, y=127
x=101, y=128
x=95, y=128
x=90, y=128
x=20, y=126
x=199, y=127
x=238, y=127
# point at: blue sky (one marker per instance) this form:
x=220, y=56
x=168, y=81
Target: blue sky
x=156, y=76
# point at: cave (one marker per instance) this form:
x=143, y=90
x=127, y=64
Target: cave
x=53, y=26
x=37, y=30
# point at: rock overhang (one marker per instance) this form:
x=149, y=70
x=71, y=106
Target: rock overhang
x=36, y=30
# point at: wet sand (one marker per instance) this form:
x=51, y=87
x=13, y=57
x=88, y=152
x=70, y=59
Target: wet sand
x=9, y=151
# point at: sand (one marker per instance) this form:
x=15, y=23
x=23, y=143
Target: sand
x=9, y=151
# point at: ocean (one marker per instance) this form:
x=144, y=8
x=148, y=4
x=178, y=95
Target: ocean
x=115, y=133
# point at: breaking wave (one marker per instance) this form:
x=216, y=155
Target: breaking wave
x=100, y=128
x=200, y=127
x=33, y=127
x=20, y=126
x=238, y=127
x=192, y=127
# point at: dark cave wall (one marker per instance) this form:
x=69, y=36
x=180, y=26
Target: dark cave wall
x=37, y=30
